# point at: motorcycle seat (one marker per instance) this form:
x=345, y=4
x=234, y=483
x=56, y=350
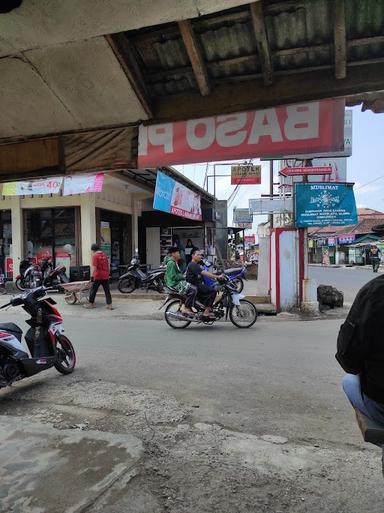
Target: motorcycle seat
x=11, y=328
x=233, y=270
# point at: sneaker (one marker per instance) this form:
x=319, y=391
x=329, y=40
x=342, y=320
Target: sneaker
x=110, y=307
x=89, y=306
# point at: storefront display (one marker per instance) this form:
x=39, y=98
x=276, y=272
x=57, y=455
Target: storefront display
x=51, y=233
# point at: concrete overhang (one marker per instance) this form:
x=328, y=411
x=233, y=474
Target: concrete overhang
x=82, y=65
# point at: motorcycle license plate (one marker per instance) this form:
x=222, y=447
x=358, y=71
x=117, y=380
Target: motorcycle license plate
x=236, y=298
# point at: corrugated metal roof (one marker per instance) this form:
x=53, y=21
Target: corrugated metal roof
x=300, y=35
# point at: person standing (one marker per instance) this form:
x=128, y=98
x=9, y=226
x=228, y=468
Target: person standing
x=100, y=276
x=375, y=255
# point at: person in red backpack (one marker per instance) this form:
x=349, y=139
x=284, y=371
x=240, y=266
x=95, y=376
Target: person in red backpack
x=100, y=276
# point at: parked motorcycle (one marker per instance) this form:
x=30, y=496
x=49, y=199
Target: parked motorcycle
x=236, y=275
x=47, y=344
x=33, y=275
x=135, y=278
x=30, y=276
x=228, y=303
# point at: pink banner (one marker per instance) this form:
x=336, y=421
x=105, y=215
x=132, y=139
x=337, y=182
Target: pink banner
x=80, y=184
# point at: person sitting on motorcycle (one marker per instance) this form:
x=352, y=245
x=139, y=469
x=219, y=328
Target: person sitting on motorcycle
x=175, y=279
x=195, y=273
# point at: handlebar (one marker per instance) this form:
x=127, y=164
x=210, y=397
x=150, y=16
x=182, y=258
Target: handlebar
x=20, y=299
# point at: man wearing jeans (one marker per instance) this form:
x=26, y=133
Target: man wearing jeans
x=100, y=276
x=360, y=351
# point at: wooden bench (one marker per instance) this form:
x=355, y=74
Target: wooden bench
x=372, y=431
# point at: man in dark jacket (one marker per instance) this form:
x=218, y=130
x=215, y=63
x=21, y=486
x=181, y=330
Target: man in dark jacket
x=360, y=351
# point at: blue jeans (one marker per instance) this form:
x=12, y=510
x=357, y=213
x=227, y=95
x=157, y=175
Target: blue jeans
x=352, y=388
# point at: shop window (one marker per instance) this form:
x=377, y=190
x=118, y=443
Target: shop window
x=51, y=233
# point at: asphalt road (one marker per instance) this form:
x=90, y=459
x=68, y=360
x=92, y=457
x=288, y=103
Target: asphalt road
x=347, y=279
x=231, y=420
x=277, y=377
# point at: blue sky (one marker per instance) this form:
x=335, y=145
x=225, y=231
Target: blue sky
x=364, y=166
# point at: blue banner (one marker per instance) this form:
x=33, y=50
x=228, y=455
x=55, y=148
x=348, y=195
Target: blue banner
x=175, y=198
x=324, y=205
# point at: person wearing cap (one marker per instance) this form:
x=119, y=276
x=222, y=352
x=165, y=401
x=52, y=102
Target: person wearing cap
x=100, y=276
x=175, y=279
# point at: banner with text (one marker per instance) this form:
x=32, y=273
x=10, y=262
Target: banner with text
x=175, y=198
x=242, y=216
x=313, y=127
x=79, y=184
x=46, y=186
x=324, y=205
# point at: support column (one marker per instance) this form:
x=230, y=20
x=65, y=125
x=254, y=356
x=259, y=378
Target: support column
x=17, y=253
x=88, y=225
x=136, y=211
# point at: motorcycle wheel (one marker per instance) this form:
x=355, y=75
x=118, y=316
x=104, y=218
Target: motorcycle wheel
x=238, y=282
x=159, y=285
x=243, y=315
x=127, y=285
x=173, y=322
x=21, y=285
x=66, y=357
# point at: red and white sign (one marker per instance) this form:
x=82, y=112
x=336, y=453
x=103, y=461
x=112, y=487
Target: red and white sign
x=245, y=174
x=79, y=184
x=249, y=239
x=9, y=267
x=313, y=127
x=298, y=171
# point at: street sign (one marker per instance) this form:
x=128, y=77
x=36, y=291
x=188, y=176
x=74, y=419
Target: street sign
x=324, y=205
x=245, y=174
x=242, y=216
x=299, y=171
x=270, y=205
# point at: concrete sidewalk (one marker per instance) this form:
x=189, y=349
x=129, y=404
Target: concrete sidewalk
x=346, y=266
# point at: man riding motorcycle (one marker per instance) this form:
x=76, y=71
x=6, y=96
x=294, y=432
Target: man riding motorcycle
x=195, y=273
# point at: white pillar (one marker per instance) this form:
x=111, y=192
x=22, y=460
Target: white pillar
x=17, y=253
x=136, y=212
x=88, y=225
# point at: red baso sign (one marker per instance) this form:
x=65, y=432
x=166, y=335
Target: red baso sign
x=314, y=127
x=298, y=171
x=249, y=239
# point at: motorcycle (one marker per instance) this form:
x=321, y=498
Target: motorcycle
x=32, y=275
x=53, y=277
x=228, y=303
x=236, y=275
x=135, y=278
x=47, y=344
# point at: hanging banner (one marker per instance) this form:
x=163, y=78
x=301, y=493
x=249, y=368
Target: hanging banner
x=324, y=205
x=245, y=174
x=175, y=198
x=46, y=186
x=79, y=184
x=346, y=239
x=270, y=205
x=314, y=127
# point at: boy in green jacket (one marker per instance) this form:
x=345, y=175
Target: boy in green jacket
x=175, y=278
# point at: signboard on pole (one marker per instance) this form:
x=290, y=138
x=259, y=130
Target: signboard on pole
x=245, y=174
x=270, y=205
x=309, y=170
x=313, y=127
x=250, y=239
x=174, y=198
x=242, y=216
x=324, y=205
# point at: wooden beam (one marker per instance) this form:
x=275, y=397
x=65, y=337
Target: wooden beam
x=122, y=48
x=262, y=43
x=194, y=53
x=286, y=89
x=340, y=40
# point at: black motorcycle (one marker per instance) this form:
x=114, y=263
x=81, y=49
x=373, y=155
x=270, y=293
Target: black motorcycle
x=47, y=344
x=228, y=303
x=135, y=278
x=32, y=275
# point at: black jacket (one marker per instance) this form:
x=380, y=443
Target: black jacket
x=360, y=344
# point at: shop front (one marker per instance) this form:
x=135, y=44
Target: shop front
x=115, y=237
